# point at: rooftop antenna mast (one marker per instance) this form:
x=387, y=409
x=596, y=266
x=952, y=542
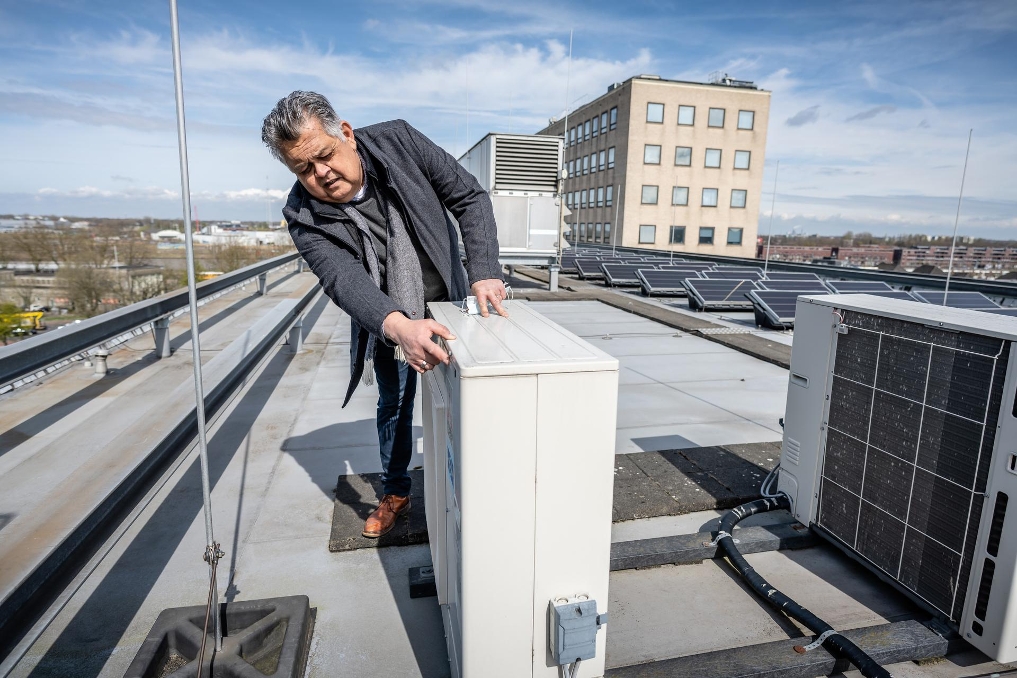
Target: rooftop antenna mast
x=561, y=170
x=212, y=551
x=769, y=236
x=956, y=220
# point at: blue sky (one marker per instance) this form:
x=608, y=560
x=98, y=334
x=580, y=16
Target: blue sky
x=871, y=105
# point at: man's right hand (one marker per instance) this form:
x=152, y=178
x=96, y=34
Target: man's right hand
x=414, y=337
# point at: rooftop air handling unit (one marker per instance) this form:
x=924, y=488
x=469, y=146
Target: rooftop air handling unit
x=521, y=173
x=518, y=494
x=900, y=447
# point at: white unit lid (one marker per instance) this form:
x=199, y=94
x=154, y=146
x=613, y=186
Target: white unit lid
x=949, y=318
x=524, y=343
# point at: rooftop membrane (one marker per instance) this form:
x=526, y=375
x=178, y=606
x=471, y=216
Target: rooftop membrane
x=277, y=451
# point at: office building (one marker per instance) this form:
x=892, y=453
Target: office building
x=667, y=165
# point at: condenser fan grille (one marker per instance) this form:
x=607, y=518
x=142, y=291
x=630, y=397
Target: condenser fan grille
x=911, y=426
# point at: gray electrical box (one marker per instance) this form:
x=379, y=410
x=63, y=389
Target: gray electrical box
x=574, y=625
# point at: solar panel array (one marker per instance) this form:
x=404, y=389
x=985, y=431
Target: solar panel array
x=772, y=297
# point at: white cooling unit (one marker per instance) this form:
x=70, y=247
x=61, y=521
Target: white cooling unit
x=518, y=493
x=899, y=446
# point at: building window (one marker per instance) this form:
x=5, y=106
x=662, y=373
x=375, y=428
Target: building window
x=734, y=236
x=713, y=157
x=650, y=195
x=593, y=162
x=716, y=117
x=610, y=158
x=654, y=112
x=686, y=115
x=709, y=197
x=582, y=198
x=596, y=126
x=651, y=154
x=603, y=123
x=586, y=133
x=602, y=161
x=610, y=196
x=742, y=159
x=582, y=231
x=599, y=232
x=680, y=195
x=706, y=235
x=572, y=168
x=614, y=117
x=568, y=200
x=572, y=134
x=586, y=164
x=647, y=234
x=600, y=197
x=746, y=119
x=677, y=236
x=683, y=156
x=607, y=231
x=738, y=197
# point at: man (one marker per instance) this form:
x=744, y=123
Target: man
x=368, y=214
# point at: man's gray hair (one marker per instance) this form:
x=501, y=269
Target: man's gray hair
x=288, y=118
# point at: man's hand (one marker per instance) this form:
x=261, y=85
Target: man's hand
x=490, y=290
x=414, y=337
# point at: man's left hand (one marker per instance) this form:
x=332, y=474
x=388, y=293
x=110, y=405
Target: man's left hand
x=491, y=290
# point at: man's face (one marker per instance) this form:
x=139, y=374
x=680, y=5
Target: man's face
x=327, y=167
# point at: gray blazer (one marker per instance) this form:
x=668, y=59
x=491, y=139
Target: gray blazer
x=424, y=181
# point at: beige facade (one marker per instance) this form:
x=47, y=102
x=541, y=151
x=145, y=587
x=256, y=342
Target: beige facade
x=652, y=159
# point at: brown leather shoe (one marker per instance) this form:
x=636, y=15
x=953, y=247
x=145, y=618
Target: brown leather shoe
x=383, y=519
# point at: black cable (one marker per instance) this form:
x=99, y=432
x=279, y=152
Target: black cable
x=836, y=644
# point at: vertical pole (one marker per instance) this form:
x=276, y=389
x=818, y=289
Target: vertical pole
x=614, y=229
x=956, y=220
x=769, y=237
x=564, y=145
x=199, y=397
x=674, y=212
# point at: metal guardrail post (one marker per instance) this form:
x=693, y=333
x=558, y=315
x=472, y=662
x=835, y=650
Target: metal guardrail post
x=263, y=284
x=300, y=265
x=552, y=284
x=160, y=332
x=295, y=340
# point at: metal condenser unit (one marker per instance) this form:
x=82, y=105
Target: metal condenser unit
x=900, y=447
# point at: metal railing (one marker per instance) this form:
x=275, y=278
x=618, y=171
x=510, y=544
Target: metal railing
x=38, y=355
x=992, y=288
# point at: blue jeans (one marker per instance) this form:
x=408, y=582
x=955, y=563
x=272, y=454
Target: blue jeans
x=397, y=387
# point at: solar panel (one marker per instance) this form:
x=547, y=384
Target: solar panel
x=740, y=269
x=814, y=286
x=589, y=269
x=791, y=275
x=655, y=282
x=725, y=274
x=975, y=300
x=774, y=308
x=697, y=265
x=1001, y=311
x=889, y=294
x=618, y=275
x=870, y=286
x=706, y=294
x=693, y=273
